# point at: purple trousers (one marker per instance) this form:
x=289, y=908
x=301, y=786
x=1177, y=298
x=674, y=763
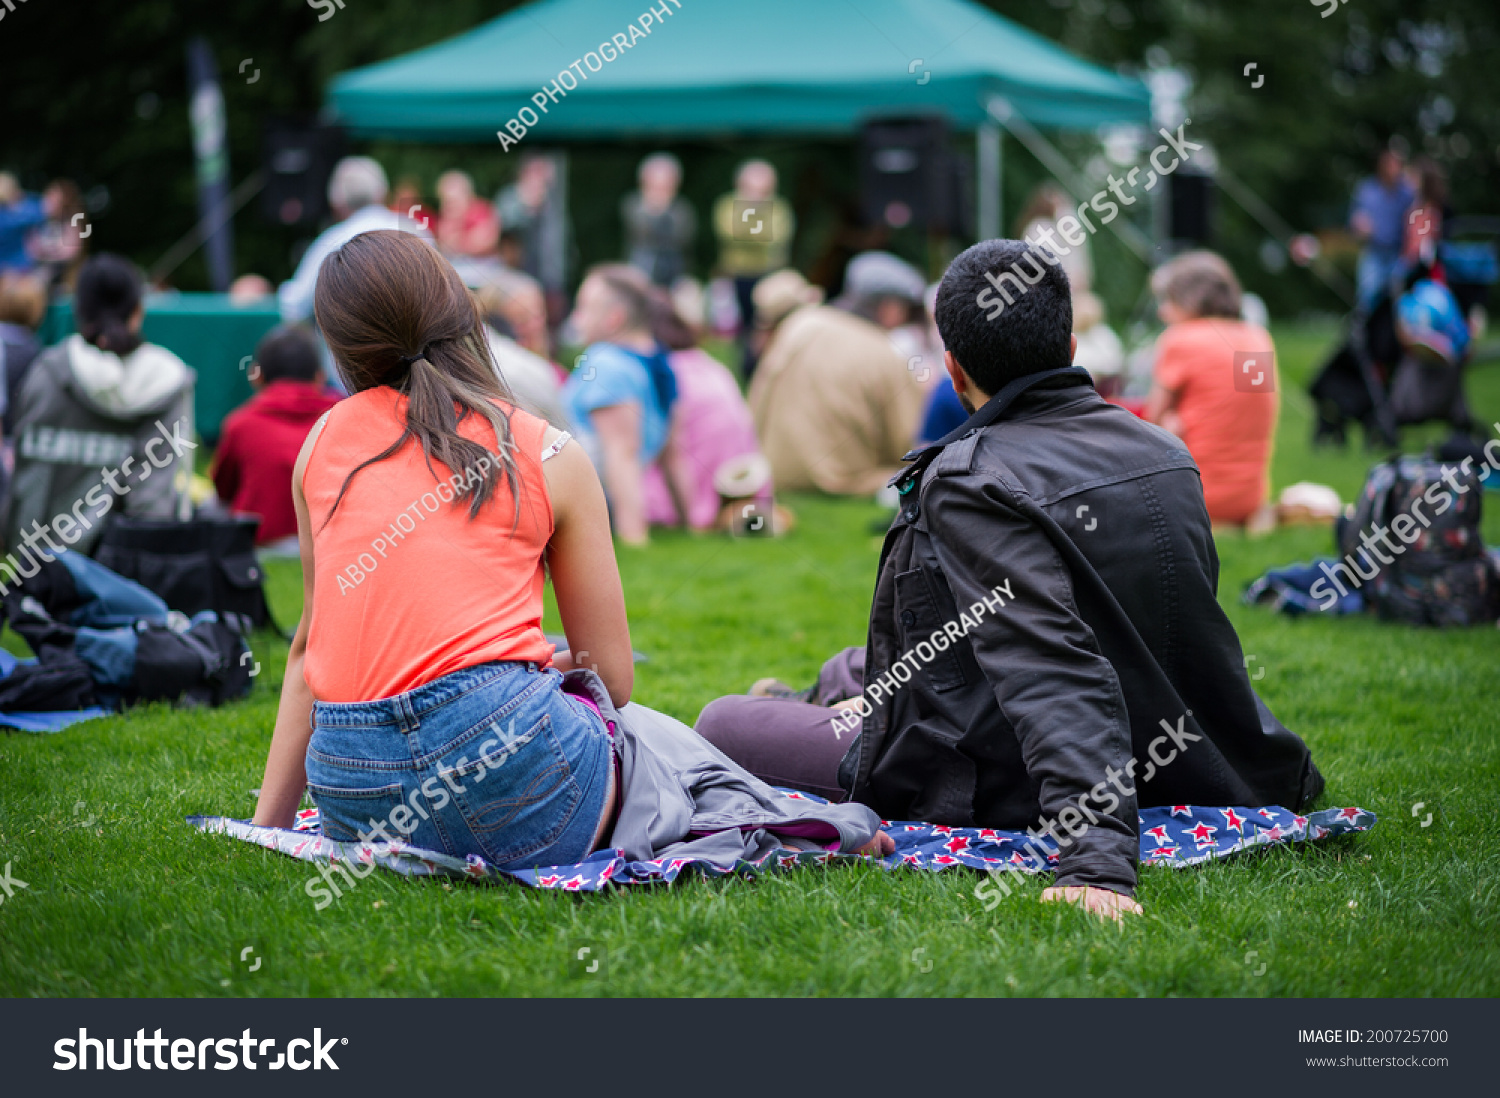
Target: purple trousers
x=788, y=742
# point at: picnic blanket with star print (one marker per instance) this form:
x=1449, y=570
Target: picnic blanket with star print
x=1178, y=836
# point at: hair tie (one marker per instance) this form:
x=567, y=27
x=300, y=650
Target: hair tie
x=407, y=360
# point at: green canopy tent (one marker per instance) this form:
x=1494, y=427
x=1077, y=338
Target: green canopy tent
x=707, y=68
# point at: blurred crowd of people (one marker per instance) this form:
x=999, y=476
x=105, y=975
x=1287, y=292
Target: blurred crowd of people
x=831, y=393
x=42, y=247
x=1423, y=282
x=671, y=433
x=40, y=234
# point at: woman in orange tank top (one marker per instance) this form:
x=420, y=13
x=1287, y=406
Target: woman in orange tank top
x=1214, y=387
x=422, y=701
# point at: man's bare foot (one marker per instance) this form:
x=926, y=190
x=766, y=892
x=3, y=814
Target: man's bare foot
x=1100, y=901
x=881, y=846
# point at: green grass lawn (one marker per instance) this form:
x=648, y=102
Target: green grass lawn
x=123, y=898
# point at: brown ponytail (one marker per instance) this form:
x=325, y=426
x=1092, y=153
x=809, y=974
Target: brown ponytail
x=395, y=313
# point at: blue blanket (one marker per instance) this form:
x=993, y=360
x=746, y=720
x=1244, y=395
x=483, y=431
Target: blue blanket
x=1179, y=836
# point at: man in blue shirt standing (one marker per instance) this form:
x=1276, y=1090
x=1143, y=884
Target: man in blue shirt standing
x=19, y=214
x=1378, y=218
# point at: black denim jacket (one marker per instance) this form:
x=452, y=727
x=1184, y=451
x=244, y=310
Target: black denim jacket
x=1081, y=532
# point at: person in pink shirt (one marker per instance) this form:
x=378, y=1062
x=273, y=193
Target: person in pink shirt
x=711, y=425
x=467, y=224
x=1215, y=386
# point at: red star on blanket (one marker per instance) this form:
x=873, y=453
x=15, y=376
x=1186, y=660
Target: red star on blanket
x=944, y=859
x=942, y=829
x=1182, y=810
x=1299, y=822
x=474, y=866
x=957, y=845
x=1232, y=820
x=1272, y=836
x=912, y=859
x=1017, y=858
x=548, y=881
x=1162, y=852
x=1203, y=835
x=1348, y=813
x=573, y=884
x=990, y=834
x=1268, y=814
x=1160, y=835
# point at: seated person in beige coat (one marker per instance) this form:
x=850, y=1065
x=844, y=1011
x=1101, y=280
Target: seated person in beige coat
x=835, y=405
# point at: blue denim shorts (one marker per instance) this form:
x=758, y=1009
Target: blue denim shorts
x=493, y=760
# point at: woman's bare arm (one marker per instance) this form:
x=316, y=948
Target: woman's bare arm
x=585, y=577
x=285, y=778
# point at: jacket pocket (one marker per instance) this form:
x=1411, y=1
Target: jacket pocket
x=183, y=581
x=917, y=620
x=345, y=813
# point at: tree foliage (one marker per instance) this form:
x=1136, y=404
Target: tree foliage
x=97, y=92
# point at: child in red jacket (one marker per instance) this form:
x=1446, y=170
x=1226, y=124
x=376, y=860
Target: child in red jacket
x=252, y=469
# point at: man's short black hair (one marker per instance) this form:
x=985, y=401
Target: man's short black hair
x=1004, y=309
x=288, y=352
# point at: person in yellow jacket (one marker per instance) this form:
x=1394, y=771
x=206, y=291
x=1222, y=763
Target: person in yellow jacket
x=755, y=228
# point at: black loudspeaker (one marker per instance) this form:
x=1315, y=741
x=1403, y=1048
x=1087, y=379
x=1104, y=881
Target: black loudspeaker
x=909, y=177
x=1190, y=207
x=299, y=158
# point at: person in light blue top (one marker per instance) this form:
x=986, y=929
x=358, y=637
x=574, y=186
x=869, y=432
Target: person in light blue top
x=1378, y=218
x=620, y=395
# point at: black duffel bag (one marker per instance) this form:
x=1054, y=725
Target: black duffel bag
x=202, y=564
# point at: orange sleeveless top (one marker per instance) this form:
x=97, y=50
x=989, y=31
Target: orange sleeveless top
x=406, y=587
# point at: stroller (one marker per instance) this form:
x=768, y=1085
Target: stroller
x=1383, y=381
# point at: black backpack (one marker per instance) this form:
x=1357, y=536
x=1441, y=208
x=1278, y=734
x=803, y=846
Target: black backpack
x=202, y=564
x=1442, y=575
x=204, y=660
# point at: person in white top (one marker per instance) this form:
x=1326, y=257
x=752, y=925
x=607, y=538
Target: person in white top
x=356, y=192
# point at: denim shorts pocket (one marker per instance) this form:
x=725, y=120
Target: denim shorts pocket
x=519, y=795
x=345, y=813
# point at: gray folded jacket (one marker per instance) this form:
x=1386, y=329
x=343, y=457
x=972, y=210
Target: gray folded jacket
x=681, y=797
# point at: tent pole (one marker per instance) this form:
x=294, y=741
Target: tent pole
x=988, y=158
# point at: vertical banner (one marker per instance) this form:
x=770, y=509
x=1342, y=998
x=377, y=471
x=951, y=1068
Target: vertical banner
x=553, y=243
x=211, y=157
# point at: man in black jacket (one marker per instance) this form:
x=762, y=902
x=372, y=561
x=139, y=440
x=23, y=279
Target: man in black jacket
x=1046, y=649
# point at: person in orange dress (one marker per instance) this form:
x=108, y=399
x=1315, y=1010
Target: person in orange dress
x=1214, y=386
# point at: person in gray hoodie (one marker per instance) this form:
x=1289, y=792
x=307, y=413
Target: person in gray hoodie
x=104, y=423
